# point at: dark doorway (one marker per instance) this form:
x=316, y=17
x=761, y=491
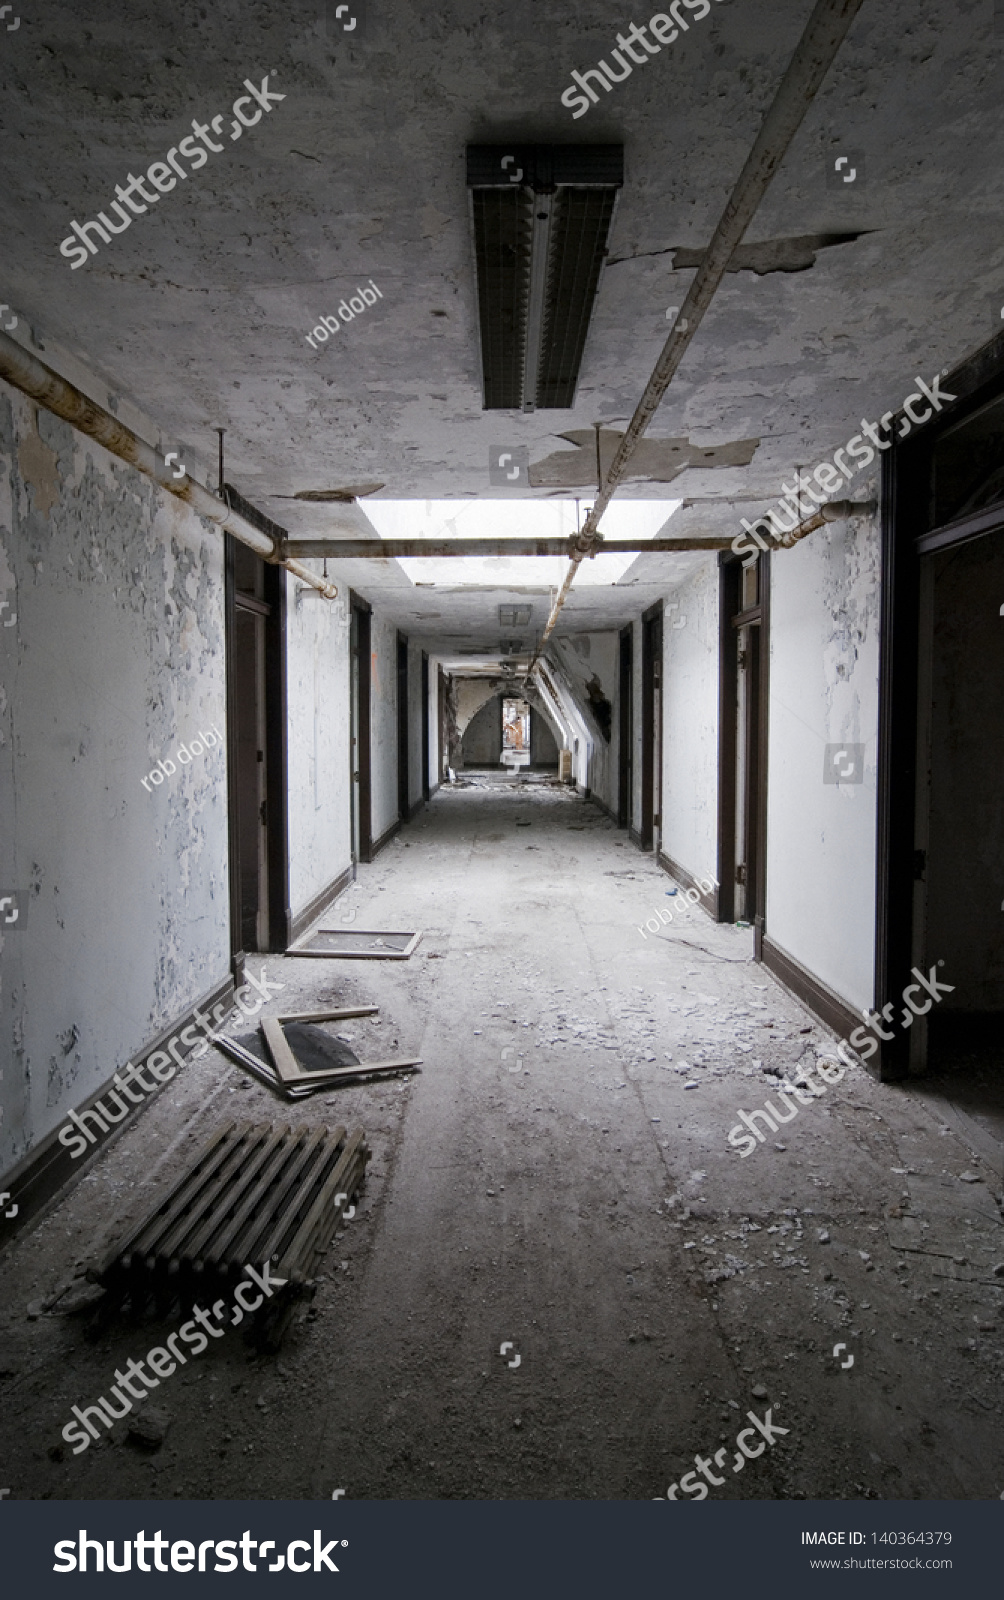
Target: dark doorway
x=426, y=792
x=651, y=727
x=941, y=741
x=625, y=764
x=744, y=601
x=403, y=783
x=444, y=755
x=359, y=733
x=256, y=753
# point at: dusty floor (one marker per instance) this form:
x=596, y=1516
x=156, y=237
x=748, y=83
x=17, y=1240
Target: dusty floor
x=551, y=1180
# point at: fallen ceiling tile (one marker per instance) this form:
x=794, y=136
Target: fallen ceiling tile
x=654, y=460
x=354, y=491
x=796, y=254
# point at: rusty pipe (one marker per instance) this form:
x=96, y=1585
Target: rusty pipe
x=23, y=371
x=831, y=511
x=436, y=549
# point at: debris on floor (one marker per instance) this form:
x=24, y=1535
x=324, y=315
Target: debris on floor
x=356, y=944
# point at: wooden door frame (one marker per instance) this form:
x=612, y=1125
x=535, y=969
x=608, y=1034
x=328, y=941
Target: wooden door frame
x=757, y=729
x=403, y=764
x=907, y=537
x=651, y=656
x=363, y=617
x=625, y=728
x=426, y=791
x=276, y=761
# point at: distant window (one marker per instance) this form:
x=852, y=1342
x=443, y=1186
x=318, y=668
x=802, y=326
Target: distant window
x=515, y=725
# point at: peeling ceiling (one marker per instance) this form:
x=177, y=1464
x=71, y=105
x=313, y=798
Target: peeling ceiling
x=199, y=313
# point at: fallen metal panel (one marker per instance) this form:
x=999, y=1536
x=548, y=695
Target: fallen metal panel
x=355, y=944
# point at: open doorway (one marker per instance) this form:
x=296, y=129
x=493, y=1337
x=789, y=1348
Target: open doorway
x=256, y=753
x=426, y=790
x=403, y=775
x=941, y=814
x=360, y=649
x=651, y=728
x=742, y=761
x=625, y=762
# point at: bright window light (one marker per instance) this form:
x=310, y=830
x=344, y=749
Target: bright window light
x=513, y=519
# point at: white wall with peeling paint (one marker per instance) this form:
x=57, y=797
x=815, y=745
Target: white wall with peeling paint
x=317, y=701
x=690, y=724
x=821, y=838
x=116, y=658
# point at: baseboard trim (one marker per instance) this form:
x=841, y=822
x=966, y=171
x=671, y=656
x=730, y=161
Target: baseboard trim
x=708, y=904
x=320, y=903
x=415, y=808
x=47, y=1172
x=635, y=837
x=594, y=797
x=384, y=839
x=823, y=1002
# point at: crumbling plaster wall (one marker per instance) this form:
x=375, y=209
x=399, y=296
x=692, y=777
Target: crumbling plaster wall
x=317, y=710
x=117, y=656
x=586, y=658
x=821, y=837
x=690, y=724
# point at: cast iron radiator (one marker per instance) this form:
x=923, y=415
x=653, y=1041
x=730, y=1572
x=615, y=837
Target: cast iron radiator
x=256, y=1193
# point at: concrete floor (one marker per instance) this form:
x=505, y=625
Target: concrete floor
x=551, y=1180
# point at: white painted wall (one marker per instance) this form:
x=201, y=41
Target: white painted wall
x=690, y=724
x=414, y=723
x=317, y=700
x=383, y=725
x=823, y=688
x=116, y=658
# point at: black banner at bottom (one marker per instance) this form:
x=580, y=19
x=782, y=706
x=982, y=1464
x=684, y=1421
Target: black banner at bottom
x=501, y=1549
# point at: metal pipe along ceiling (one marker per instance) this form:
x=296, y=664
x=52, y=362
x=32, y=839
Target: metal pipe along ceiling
x=824, y=34
x=24, y=371
x=405, y=549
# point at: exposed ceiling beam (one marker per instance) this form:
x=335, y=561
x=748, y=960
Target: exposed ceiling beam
x=398, y=549
x=814, y=54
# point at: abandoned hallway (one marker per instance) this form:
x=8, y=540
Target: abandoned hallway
x=501, y=734
x=557, y=1177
